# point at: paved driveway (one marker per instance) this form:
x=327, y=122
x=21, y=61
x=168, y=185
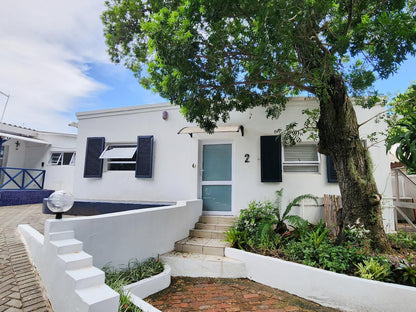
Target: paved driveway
x=20, y=289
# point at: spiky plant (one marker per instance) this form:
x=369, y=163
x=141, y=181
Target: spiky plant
x=285, y=218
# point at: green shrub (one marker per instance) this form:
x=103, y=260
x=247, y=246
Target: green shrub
x=403, y=240
x=373, y=269
x=405, y=272
x=315, y=248
x=258, y=227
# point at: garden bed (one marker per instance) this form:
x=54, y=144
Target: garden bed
x=350, y=274
x=340, y=291
x=138, y=280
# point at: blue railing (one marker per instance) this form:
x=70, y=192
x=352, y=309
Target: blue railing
x=21, y=179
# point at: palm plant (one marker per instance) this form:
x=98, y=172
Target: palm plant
x=285, y=218
x=405, y=136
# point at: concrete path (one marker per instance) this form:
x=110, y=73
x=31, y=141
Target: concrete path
x=20, y=289
x=187, y=294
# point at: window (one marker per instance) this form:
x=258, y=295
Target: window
x=301, y=158
x=62, y=158
x=120, y=157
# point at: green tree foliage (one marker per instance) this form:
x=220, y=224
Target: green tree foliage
x=255, y=53
x=403, y=128
x=213, y=56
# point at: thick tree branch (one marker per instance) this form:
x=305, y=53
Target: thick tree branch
x=350, y=12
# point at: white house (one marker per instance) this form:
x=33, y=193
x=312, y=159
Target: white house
x=35, y=160
x=150, y=153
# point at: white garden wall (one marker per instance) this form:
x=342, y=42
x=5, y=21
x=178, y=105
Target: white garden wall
x=63, y=259
x=119, y=237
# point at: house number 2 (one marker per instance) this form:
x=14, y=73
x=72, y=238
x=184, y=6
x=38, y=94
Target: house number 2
x=247, y=158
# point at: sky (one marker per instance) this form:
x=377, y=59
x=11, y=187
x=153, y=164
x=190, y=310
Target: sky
x=53, y=63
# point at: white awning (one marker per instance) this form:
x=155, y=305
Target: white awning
x=19, y=137
x=121, y=152
x=192, y=130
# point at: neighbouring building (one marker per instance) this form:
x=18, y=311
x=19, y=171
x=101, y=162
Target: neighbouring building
x=34, y=160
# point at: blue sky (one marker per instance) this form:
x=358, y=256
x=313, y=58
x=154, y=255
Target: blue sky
x=53, y=63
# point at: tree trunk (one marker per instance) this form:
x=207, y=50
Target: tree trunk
x=339, y=138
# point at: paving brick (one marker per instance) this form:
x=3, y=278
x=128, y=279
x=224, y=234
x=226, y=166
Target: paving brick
x=19, y=286
x=227, y=295
x=15, y=303
x=13, y=309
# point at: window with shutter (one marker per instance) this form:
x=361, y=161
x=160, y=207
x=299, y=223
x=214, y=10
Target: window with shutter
x=144, y=157
x=120, y=157
x=271, y=158
x=93, y=167
x=301, y=157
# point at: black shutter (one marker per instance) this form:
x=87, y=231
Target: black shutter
x=93, y=167
x=330, y=171
x=144, y=156
x=271, y=158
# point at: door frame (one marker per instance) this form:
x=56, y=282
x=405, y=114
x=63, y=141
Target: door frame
x=200, y=166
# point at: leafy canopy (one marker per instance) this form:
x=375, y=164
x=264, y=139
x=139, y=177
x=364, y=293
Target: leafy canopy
x=213, y=56
x=403, y=127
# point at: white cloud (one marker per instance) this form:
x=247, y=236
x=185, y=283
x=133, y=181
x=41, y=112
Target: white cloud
x=45, y=45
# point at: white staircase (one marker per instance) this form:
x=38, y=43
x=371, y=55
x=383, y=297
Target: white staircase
x=81, y=277
x=202, y=253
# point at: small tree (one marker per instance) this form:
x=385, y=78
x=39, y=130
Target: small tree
x=213, y=56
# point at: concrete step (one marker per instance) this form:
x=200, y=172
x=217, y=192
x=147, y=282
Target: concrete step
x=86, y=277
x=99, y=298
x=67, y=246
x=199, y=265
x=213, y=227
x=54, y=236
x=207, y=234
x=223, y=220
x=206, y=246
x=76, y=260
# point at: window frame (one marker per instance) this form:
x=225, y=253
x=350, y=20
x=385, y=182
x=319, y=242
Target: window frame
x=61, y=157
x=108, y=162
x=301, y=163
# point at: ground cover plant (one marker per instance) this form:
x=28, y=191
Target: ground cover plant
x=135, y=271
x=257, y=230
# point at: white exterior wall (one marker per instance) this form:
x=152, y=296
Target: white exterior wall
x=175, y=156
x=31, y=155
x=59, y=177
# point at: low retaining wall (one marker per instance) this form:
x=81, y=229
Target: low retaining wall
x=330, y=289
x=119, y=237
x=69, y=274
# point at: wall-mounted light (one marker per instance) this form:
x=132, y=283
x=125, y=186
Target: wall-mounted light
x=17, y=145
x=165, y=115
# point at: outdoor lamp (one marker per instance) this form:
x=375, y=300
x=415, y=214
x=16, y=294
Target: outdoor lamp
x=60, y=202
